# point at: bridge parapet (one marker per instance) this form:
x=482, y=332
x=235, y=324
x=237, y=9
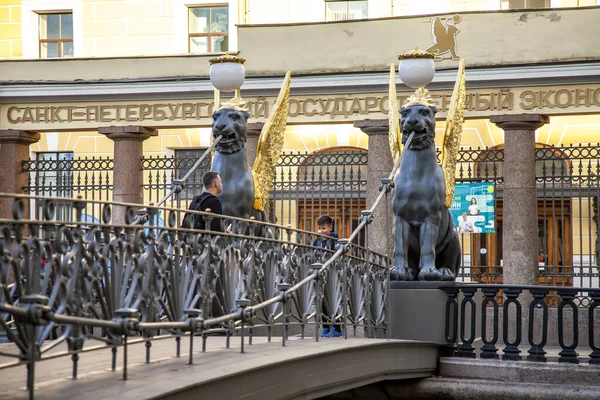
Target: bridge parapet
x=73, y=278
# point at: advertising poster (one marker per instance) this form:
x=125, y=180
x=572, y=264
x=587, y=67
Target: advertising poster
x=473, y=207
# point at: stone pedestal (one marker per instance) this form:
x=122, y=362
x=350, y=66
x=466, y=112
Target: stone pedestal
x=379, y=166
x=520, y=245
x=418, y=312
x=128, y=175
x=252, y=142
x=14, y=148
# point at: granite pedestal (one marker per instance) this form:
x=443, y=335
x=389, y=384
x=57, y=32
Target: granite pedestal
x=418, y=312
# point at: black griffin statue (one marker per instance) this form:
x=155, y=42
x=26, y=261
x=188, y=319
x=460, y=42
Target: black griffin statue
x=246, y=190
x=426, y=245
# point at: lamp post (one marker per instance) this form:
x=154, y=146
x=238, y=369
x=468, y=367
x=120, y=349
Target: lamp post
x=227, y=74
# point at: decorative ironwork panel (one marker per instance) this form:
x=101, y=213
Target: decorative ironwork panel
x=95, y=283
x=567, y=187
x=60, y=174
x=331, y=182
x=159, y=173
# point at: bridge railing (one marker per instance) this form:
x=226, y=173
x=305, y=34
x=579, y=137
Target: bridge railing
x=97, y=284
x=510, y=319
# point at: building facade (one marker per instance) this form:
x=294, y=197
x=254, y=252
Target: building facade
x=77, y=75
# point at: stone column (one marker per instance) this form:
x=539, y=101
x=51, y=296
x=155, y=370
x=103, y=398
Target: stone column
x=127, y=174
x=520, y=229
x=379, y=166
x=14, y=148
x=252, y=142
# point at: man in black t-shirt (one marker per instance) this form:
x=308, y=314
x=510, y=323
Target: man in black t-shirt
x=207, y=200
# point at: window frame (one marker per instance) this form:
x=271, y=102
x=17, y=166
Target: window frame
x=347, y=9
x=208, y=35
x=60, y=40
x=547, y=4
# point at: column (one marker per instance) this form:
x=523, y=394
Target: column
x=128, y=175
x=253, y=131
x=14, y=147
x=379, y=166
x=520, y=245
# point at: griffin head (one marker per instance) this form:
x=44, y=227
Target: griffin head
x=231, y=124
x=421, y=120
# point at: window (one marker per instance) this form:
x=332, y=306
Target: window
x=56, y=35
x=208, y=28
x=345, y=10
x=521, y=4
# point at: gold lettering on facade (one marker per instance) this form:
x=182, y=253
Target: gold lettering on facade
x=12, y=119
x=173, y=110
x=130, y=112
x=342, y=107
x=563, y=98
x=159, y=114
x=187, y=110
x=305, y=105
x=105, y=114
x=145, y=111
x=27, y=115
x=294, y=108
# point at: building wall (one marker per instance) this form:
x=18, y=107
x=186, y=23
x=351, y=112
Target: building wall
x=10, y=29
x=108, y=28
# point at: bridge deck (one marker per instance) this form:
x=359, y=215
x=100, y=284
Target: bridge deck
x=303, y=369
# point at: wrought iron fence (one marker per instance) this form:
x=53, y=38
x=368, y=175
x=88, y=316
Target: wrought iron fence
x=567, y=192
x=160, y=172
x=573, y=324
x=100, y=284
x=331, y=182
x=59, y=174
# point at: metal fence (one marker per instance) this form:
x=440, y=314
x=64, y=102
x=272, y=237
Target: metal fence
x=567, y=198
x=523, y=319
x=333, y=182
x=101, y=286
x=160, y=171
x=59, y=174
x=306, y=186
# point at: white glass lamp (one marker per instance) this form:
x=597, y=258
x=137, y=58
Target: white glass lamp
x=227, y=72
x=416, y=68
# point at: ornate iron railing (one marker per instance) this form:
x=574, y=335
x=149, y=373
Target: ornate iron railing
x=502, y=310
x=308, y=185
x=162, y=173
x=568, y=186
x=334, y=183
x=87, y=283
x=90, y=178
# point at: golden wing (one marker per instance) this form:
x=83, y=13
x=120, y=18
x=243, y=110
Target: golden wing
x=394, y=118
x=452, y=134
x=270, y=145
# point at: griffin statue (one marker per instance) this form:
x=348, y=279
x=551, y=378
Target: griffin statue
x=426, y=245
x=246, y=191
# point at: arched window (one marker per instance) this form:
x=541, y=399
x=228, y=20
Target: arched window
x=330, y=181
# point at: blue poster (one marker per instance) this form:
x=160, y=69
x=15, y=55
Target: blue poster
x=473, y=207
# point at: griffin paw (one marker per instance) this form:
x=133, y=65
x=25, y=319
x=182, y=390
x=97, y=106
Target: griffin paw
x=447, y=275
x=401, y=274
x=430, y=274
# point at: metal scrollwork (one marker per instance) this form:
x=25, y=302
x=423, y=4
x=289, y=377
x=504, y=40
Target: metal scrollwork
x=104, y=282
